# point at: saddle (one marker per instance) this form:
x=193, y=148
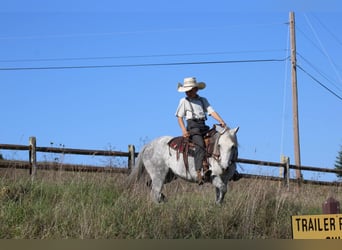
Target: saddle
x=184, y=146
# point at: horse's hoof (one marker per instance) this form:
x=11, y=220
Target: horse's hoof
x=236, y=176
x=207, y=176
x=162, y=198
x=219, y=203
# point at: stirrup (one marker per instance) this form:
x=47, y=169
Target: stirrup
x=206, y=171
x=200, y=180
x=205, y=166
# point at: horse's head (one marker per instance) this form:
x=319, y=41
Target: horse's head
x=227, y=147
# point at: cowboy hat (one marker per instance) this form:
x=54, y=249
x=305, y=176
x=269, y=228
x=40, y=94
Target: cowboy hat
x=189, y=84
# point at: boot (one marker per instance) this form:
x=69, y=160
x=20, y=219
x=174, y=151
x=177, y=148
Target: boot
x=200, y=180
x=205, y=166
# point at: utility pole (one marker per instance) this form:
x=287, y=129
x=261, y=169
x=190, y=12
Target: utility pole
x=295, y=96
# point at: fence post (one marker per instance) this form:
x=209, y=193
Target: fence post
x=33, y=157
x=286, y=171
x=131, y=157
x=331, y=206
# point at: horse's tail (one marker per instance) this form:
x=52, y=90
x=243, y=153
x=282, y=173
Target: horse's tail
x=138, y=169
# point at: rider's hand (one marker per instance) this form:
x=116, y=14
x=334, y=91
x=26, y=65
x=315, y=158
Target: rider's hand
x=223, y=124
x=186, y=134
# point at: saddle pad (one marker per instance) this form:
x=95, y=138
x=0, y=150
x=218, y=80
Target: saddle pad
x=182, y=145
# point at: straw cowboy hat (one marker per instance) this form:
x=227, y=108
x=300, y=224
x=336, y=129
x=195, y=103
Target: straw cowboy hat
x=189, y=84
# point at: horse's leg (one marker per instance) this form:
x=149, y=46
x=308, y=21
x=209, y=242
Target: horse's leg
x=158, y=178
x=220, y=188
x=156, y=194
x=224, y=178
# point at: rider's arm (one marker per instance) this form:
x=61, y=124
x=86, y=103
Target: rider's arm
x=218, y=118
x=182, y=126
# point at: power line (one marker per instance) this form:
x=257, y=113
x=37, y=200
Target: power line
x=309, y=39
x=328, y=30
x=324, y=75
x=284, y=96
x=138, y=56
x=320, y=83
x=323, y=49
x=141, y=65
x=134, y=32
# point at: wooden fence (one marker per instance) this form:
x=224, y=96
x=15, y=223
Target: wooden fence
x=286, y=172
x=32, y=165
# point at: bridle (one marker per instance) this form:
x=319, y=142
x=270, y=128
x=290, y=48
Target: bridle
x=216, y=152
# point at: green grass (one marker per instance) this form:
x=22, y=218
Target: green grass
x=61, y=205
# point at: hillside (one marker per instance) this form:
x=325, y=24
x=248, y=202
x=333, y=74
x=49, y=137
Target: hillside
x=61, y=205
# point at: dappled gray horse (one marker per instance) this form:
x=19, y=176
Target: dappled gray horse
x=160, y=161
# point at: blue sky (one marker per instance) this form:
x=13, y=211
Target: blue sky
x=111, y=103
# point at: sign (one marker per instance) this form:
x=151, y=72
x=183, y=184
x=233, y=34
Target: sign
x=325, y=226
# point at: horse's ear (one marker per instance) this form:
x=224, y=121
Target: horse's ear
x=235, y=130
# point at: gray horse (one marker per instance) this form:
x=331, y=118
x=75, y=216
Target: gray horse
x=162, y=162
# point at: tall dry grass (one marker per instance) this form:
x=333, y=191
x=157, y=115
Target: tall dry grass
x=60, y=205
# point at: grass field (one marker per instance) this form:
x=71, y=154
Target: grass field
x=62, y=205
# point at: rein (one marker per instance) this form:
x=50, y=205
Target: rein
x=182, y=145
x=215, y=154
x=212, y=151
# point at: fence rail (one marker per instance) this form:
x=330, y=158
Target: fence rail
x=61, y=166
x=32, y=165
x=280, y=164
x=92, y=152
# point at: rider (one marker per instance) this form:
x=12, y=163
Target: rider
x=194, y=109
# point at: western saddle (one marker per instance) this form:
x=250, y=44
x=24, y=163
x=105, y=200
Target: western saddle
x=184, y=146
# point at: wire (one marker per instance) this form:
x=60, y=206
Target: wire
x=326, y=28
x=282, y=135
x=320, y=83
x=323, y=49
x=309, y=39
x=139, y=56
x=143, y=32
x=140, y=65
x=324, y=75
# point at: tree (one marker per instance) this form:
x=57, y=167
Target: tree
x=338, y=163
